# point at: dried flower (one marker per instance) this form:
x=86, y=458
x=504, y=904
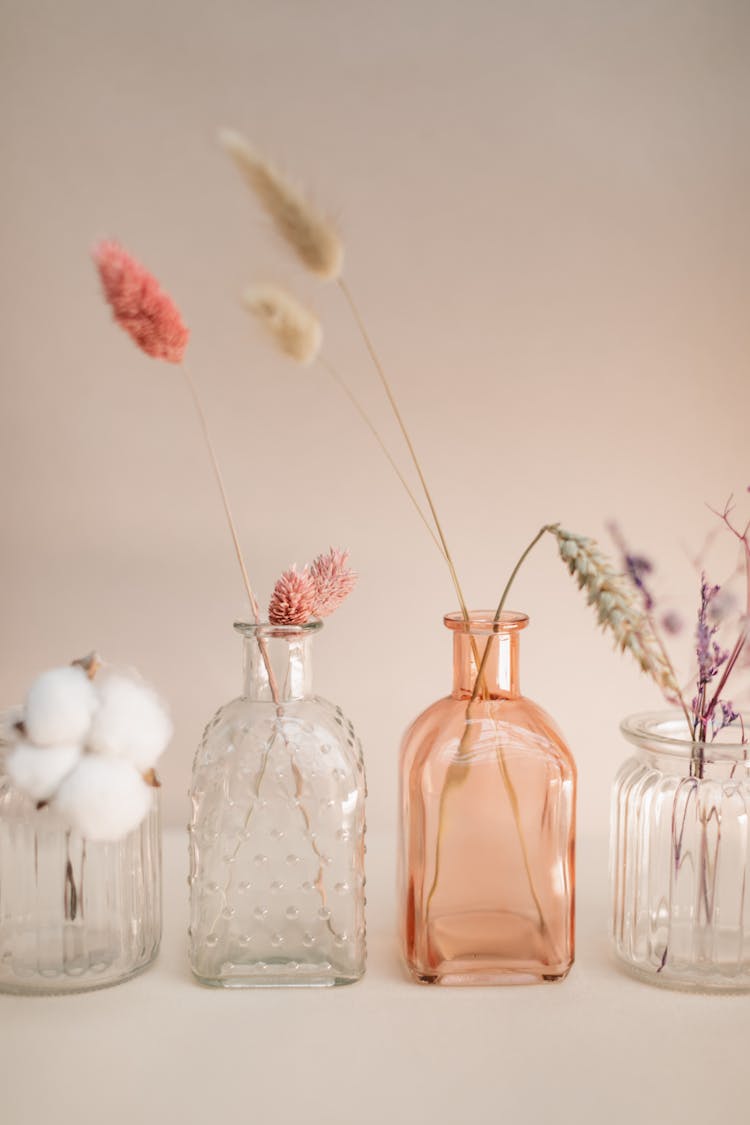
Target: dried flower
x=139, y=304
x=295, y=329
x=710, y=654
x=59, y=707
x=671, y=623
x=312, y=237
x=293, y=598
x=612, y=595
x=637, y=567
x=103, y=798
x=333, y=581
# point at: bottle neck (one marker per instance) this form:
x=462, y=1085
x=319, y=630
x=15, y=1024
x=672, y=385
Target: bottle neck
x=277, y=664
x=500, y=678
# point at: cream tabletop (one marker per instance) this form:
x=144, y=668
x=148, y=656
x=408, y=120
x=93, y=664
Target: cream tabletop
x=599, y=1047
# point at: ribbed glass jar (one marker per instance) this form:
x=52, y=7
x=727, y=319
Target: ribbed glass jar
x=488, y=794
x=277, y=830
x=74, y=915
x=680, y=857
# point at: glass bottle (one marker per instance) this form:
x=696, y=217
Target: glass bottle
x=277, y=828
x=74, y=915
x=488, y=823
x=680, y=856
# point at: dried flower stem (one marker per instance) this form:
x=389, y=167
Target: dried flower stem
x=232, y=526
x=502, y=764
x=222, y=489
x=742, y=537
x=343, y=385
x=409, y=445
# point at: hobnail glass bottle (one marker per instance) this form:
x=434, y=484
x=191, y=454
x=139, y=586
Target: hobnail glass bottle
x=487, y=825
x=680, y=856
x=277, y=828
x=74, y=914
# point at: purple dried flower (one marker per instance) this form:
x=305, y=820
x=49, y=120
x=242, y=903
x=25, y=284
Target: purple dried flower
x=710, y=655
x=672, y=623
x=637, y=567
x=723, y=716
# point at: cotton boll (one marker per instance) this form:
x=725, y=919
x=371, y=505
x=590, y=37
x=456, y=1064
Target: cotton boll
x=39, y=770
x=59, y=707
x=130, y=723
x=103, y=798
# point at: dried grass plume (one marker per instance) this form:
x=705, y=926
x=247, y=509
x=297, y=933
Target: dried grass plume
x=313, y=238
x=139, y=304
x=295, y=329
x=616, y=602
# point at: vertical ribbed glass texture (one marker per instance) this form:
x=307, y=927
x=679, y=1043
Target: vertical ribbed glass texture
x=680, y=857
x=74, y=915
x=487, y=826
x=277, y=829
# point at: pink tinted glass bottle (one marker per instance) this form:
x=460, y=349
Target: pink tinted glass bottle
x=488, y=791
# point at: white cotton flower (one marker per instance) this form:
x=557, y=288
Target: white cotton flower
x=59, y=706
x=103, y=798
x=38, y=770
x=131, y=722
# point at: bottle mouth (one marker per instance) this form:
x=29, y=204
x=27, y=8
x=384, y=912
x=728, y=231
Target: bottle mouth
x=482, y=622
x=666, y=732
x=265, y=629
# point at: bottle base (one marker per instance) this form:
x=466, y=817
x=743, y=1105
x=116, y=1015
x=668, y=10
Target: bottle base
x=688, y=979
x=62, y=981
x=482, y=978
x=268, y=974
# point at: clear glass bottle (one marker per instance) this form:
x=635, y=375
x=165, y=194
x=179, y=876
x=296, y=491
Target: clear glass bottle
x=277, y=828
x=487, y=825
x=680, y=856
x=74, y=915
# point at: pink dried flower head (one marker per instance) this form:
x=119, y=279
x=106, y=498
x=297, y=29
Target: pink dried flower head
x=293, y=598
x=140, y=305
x=333, y=581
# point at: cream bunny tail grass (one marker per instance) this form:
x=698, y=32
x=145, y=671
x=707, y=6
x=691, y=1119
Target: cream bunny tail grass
x=295, y=329
x=312, y=237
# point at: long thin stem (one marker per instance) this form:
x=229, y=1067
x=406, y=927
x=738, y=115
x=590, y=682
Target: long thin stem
x=463, y=745
x=220, y=481
x=343, y=386
x=405, y=433
x=501, y=606
x=232, y=528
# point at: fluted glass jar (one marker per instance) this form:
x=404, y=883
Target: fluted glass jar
x=74, y=914
x=680, y=856
x=277, y=828
x=487, y=824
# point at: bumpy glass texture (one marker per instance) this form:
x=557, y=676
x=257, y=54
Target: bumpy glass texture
x=277, y=830
x=74, y=915
x=680, y=858
x=487, y=820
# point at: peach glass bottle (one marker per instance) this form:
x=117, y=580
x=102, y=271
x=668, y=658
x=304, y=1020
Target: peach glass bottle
x=487, y=825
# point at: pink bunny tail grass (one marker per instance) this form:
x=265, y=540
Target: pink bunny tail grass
x=139, y=304
x=292, y=599
x=333, y=581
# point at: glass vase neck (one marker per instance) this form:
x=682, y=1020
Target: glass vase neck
x=499, y=640
x=277, y=660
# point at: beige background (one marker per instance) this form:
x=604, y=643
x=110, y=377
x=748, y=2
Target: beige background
x=545, y=208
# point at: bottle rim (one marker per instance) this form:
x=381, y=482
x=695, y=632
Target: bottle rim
x=665, y=732
x=482, y=622
x=265, y=629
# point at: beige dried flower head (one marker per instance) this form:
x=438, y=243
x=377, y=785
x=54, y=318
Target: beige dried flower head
x=615, y=600
x=296, y=330
x=313, y=238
